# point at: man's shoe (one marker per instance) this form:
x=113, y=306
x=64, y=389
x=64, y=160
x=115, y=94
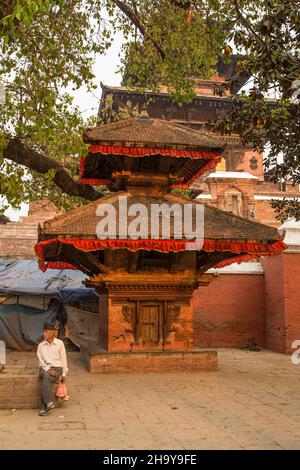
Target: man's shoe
x=50, y=406
x=43, y=413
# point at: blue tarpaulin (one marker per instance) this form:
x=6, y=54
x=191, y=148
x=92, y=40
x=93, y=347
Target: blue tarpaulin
x=23, y=277
x=21, y=327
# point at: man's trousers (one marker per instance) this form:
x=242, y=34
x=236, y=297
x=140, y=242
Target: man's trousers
x=46, y=386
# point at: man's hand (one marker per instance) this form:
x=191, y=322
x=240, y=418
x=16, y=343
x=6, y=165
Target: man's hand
x=62, y=379
x=52, y=373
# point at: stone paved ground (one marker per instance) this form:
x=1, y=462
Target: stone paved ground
x=252, y=402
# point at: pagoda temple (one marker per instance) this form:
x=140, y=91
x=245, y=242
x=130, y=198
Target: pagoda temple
x=146, y=283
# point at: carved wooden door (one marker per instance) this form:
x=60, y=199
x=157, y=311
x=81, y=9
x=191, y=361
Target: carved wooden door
x=150, y=322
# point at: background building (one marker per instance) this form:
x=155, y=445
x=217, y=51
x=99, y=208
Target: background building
x=239, y=184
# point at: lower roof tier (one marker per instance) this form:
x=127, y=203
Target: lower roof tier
x=217, y=238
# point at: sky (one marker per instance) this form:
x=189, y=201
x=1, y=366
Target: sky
x=105, y=71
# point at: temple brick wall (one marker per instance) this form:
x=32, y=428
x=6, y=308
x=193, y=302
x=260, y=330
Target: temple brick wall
x=265, y=213
x=117, y=334
x=149, y=361
x=275, y=308
x=184, y=325
x=291, y=283
x=103, y=320
x=230, y=311
x=246, y=163
x=253, y=302
x=118, y=328
x=253, y=197
x=282, y=273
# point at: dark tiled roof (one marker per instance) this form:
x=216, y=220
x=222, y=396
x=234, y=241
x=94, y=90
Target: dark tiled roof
x=218, y=225
x=152, y=133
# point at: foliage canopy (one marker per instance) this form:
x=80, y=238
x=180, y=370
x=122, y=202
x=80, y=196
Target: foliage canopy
x=47, y=48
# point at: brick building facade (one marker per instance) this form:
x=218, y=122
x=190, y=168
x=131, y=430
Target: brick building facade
x=17, y=239
x=239, y=183
x=253, y=302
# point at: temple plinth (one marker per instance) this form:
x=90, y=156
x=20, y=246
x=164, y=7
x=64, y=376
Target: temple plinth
x=146, y=324
x=145, y=269
x=139, y=312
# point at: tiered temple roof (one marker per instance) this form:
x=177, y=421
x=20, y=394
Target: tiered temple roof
x=151, y=133
x=170, y=150
x=144, y=146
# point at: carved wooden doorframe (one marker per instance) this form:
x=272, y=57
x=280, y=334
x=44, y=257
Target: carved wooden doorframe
x=165, y=318
x=150, y=321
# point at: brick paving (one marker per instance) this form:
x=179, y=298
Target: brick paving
x=251, y=402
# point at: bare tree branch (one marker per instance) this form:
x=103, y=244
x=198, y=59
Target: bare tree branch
x=6, y=7
x=136, y=21
x=245, y=22
x=17, y=152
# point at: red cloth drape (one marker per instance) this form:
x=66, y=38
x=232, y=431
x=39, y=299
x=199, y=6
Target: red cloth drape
x=251, y=249
x=143, y=151
x=106, y=181
x=209, y=165
x=95, y=181
x=237, y=259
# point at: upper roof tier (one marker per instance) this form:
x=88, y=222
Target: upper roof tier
x=147, y=153
x=152, y=133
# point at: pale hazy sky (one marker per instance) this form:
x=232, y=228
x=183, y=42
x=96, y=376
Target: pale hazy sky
x=105, y=71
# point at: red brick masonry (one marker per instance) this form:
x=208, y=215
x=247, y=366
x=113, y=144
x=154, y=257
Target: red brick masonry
x=282, y=287
x=230, y=312
x=154, y=361
x=262, y=307
x=19, y=388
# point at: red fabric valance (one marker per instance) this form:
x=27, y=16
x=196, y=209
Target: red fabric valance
x=82, y=160
x=244, y=248
x=237, y=259
x=39, y=249
x=59, y=265
x=95, y=181
x=143, y=151
x=209, y=166
x=105, y=181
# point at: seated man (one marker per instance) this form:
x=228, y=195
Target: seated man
x=53, y=367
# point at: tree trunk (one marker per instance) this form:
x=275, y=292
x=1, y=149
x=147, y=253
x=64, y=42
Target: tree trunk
x=19, y=153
